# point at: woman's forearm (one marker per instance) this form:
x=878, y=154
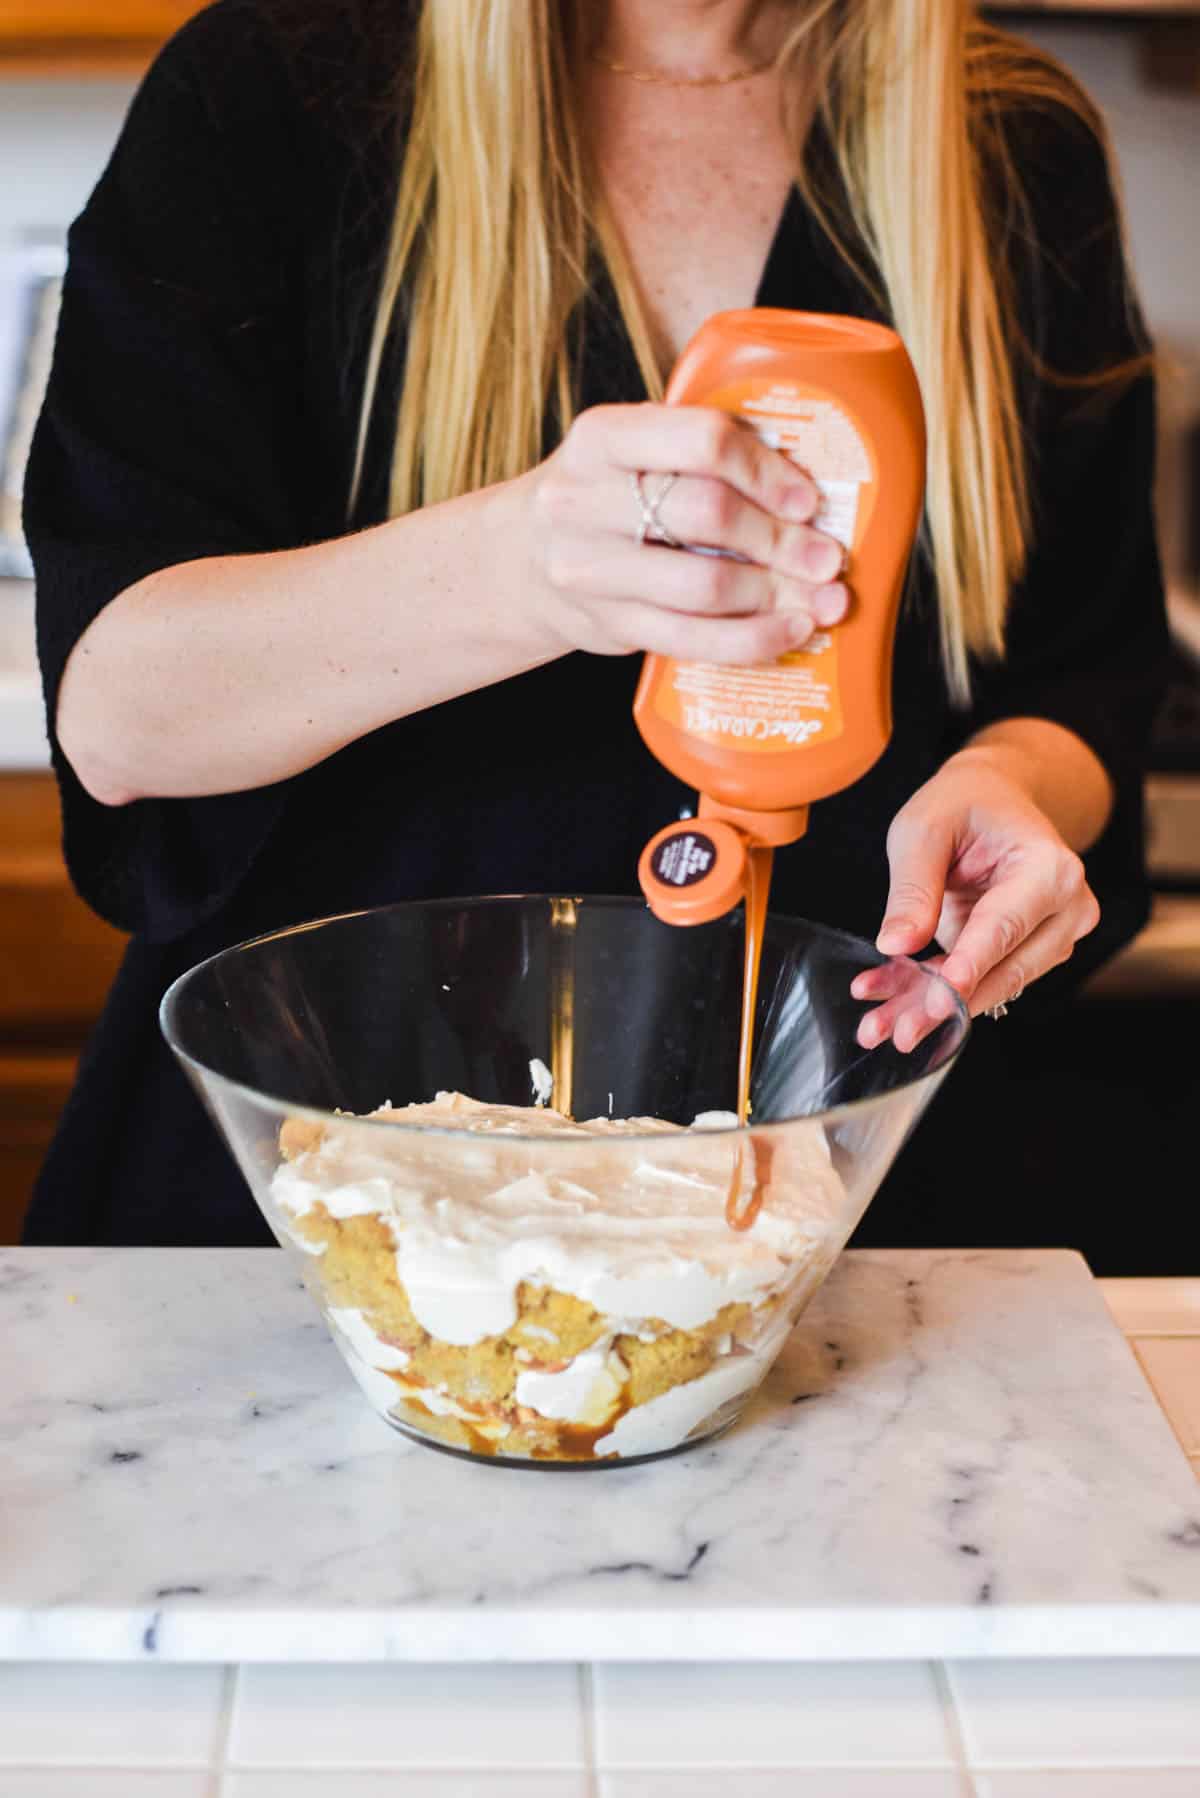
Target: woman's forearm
x=235, y=671
x=1061, y=774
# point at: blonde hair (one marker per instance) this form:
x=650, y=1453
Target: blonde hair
x=497, y=207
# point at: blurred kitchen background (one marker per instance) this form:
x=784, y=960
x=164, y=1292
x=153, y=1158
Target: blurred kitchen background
x=1129, y=1065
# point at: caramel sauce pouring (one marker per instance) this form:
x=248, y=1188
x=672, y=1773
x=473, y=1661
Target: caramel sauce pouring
x=759, y=862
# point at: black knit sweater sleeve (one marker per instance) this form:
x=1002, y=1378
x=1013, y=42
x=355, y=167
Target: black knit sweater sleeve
x=1087, y=636
x=170, y=428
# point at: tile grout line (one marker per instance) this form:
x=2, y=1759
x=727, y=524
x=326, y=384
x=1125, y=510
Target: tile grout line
x=635, y=1769
x=1039, y=1763
x=954, y=1724
x=587, y=1706
x=229, y=1687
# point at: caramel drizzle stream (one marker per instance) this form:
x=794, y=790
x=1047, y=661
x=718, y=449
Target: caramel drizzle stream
x=564, y=917
x=758, y=888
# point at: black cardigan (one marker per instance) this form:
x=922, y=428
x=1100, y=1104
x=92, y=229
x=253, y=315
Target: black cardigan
x=203, y=402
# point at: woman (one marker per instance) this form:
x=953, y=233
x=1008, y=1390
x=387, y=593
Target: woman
x=340, y=589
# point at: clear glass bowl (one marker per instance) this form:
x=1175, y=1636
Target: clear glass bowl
x=574, y=1299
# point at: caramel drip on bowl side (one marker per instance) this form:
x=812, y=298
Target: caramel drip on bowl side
x=759, y=861
x=577, y=1441
x=477, y=1442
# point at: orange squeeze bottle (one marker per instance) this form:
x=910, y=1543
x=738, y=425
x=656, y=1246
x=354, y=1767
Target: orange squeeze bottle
x=840, y=397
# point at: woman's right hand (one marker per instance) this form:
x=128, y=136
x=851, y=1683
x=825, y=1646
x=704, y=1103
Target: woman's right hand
x=598, y=589
x=213, y=675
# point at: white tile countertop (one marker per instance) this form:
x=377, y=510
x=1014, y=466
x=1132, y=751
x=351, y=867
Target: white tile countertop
x=1114, y=1727
x=895, y=1729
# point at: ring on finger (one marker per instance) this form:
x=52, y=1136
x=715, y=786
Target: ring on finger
x=1000, y=1010
x=651, y=528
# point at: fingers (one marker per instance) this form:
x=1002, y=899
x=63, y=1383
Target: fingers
x=703, y=586
x=734, y=496
x=877, y=983
x=707, y=512
x=696, y=440
x=1045, y=947
x=704, y=511
x=1031, y=919
x=1016, y=932
x=905, y=1022
x=920, y=850
x=903, y=1014
x=622, y=626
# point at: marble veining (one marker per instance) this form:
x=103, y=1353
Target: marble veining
x=955, y=1455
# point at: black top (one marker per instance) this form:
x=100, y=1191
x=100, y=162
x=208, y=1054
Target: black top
x=203, y=402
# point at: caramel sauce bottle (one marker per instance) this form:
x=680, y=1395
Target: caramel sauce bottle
x=839, y=396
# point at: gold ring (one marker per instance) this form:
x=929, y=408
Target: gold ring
x=1001, y=1010
x=651, y=528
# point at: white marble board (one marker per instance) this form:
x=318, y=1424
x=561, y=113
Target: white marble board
x=956, y=1455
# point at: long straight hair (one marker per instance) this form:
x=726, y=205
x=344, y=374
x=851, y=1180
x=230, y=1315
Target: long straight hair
x=498, y=207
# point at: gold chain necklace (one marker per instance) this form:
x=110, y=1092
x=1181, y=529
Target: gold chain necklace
x=621, y=68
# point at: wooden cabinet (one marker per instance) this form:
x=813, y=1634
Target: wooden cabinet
x=75, y=34
x=86, y=18
x=57, y=961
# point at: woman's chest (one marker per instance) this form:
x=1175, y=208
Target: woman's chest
x=696, y=194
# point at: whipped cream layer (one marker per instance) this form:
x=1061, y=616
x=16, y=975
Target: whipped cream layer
x=587, y=1390
x=635, y=1228
x=665, y=1421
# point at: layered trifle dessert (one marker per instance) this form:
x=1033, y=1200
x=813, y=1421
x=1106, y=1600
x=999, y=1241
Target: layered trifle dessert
x=580, y=1299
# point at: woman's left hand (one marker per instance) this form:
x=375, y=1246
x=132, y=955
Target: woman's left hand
x=976, y=864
